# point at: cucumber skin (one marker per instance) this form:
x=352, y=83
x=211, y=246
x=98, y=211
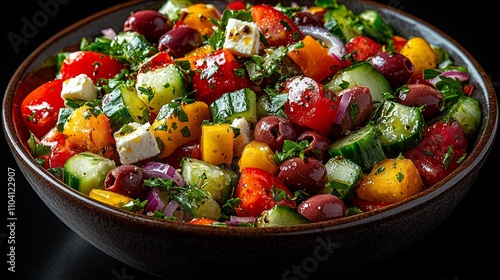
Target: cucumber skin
x=361, y=146
x=361, y=74
x=401, y=127
x=280, y=215
x=344, y=176
x=86, y=171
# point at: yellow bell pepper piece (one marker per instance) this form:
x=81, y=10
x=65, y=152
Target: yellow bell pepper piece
x=199, y=17
x=217, y=143
x=109, y=197
x=258, y=154
x=420, y=53
x=175, y=128
x=391, y=180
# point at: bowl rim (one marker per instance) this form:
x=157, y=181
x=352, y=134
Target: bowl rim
x=481, y=147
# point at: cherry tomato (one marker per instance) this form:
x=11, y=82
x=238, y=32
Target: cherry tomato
x=94, y=64
x=217, y=73
x=310, y=104
x=362, y=47
x=366, y=205
x=255, y=191
x=277, y=28
x=40, y=108
x=440, y=152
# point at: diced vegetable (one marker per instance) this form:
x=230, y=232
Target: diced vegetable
x=217, y=143
x=86, y=171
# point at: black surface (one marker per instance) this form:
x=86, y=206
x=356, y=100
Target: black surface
x=462, y=247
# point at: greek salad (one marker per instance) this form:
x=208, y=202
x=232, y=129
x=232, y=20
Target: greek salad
x=252, y=115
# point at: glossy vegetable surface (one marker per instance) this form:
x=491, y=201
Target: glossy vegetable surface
x=256, y=123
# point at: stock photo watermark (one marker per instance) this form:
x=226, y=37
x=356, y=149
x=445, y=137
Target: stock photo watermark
x=324, y=249
x=11, y=220
x=30, y=26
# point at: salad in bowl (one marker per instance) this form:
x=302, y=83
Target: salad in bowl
x=252, y=115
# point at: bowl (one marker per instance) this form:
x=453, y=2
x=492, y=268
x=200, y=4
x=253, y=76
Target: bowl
x=337, y=248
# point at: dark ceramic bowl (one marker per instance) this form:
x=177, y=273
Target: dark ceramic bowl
x=336, y=249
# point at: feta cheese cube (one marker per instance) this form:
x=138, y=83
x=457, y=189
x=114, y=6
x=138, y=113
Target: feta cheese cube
x=242, y=37
x=79, y=88
x=135, y=142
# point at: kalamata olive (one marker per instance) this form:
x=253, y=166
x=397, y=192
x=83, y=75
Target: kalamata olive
x=359, y=107
x=150, y=23
x=274, y=130
x=308, y=174
x=322, y=207
x=179, y=41
x=396, y=68
x=127, y=180
x=318, y=144
x=421, y=95
x=307, y=18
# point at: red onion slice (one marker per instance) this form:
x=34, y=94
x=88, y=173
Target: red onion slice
x=342, y=108
x=154, y=201
x=170, y=208
x=163, y=170
x=237, y=220
x=452, y=74
x=336, y=47
x=108, y=33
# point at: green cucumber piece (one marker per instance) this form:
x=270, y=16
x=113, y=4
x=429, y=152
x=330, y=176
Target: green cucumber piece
x=344, y=176
x=123, y=106
x=401, y=127
x=160, y=86
x=280, y=215
x=360, y=74
x=236, y=104
x=86, y=171
x=467, y=111
x=198, y=203
x=361, y=146
x=219, y=181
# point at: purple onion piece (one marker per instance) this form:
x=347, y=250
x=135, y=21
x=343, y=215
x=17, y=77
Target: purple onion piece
x=336, y=47
x=164, y=171
x=342, y=108
x=170, y=208
x=236, y=220
x=452, y=74
x=154, y=201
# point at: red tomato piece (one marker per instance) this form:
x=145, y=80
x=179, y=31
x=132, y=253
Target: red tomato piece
x=217, y=73
x=440, y=152
x=40, y=108
x=94, y=64
x=277, y=28
x=236, y=5
x=60, y=150
x=158, y=60
x=202, y=221
x=310, y=104
x=255, y=191
x=366, y=205
x=362, y=47
x=398, y=42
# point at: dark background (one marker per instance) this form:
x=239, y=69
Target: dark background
x=465, y=246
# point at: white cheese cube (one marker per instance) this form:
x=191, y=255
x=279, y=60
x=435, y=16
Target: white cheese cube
x=135, y=142
x=242, y=37
x=79, y=88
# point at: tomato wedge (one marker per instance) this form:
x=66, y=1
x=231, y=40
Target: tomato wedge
x=440, y=152
x=362, y=47
x=277, y=28
x=255, y=191
x=217, y=73
x=94, y=64
x=310, y=104
x=40, y=108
